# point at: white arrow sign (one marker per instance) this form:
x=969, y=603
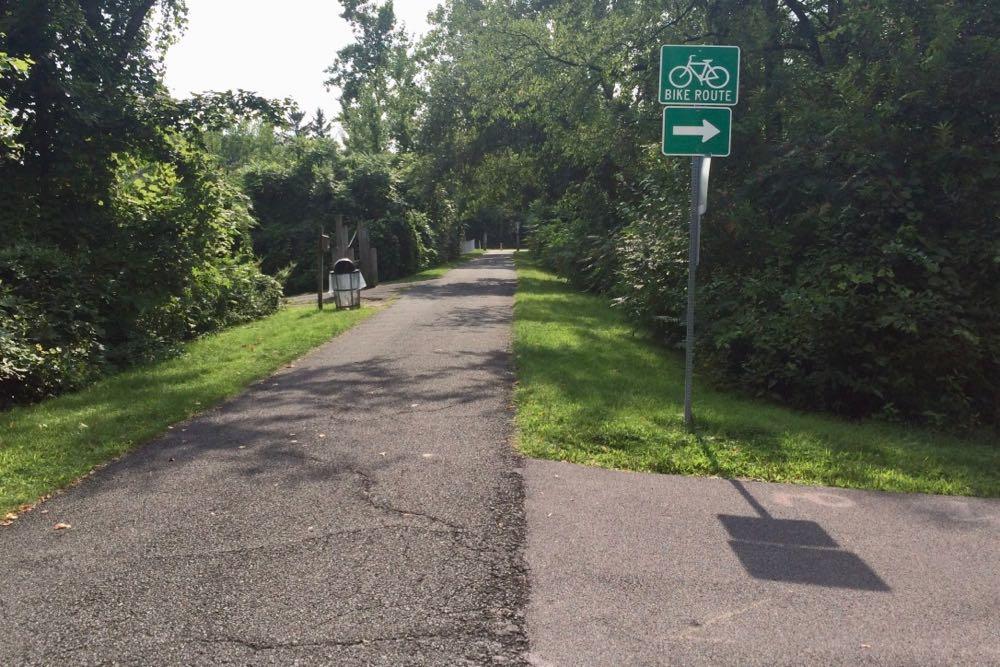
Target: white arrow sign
x=706, y=131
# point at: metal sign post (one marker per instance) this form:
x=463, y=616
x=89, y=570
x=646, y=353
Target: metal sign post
x=694, y=244
x=706, y=168
x=699, y=82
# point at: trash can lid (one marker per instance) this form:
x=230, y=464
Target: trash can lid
x=344, y=265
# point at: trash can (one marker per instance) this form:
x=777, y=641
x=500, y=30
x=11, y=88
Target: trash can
x=346, y=283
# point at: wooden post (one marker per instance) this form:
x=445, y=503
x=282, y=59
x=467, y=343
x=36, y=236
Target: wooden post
x=320, y=252
x=340, y=235
x=374, y=268
x=365, y=252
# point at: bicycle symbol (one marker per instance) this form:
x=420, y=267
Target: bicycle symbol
x=702, y=70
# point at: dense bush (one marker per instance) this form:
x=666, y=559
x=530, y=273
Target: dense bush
x=41, y=354
x=292, y=196
x=121, y=237
x=302, y=183
x=875, y=248
x=174, y=263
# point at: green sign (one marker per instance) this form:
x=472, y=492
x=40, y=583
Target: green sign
x=697, y=131
x=703, y=75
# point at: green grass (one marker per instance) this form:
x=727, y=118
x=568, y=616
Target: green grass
x=49, y=445
x=437, y=271
x=591, y=392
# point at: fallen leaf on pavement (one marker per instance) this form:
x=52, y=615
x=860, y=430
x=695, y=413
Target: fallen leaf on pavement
x=61, y=526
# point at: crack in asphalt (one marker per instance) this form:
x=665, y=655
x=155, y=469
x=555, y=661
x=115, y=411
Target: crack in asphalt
x=260, y=645
x=314, y=537
x=368, y=485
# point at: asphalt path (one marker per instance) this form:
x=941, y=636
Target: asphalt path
x=361, y=507
x=365, y=507
x=642, y=569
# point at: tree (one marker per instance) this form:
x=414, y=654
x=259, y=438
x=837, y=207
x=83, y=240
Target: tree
x=320, y=126
x=295, y=118
x=376, y=77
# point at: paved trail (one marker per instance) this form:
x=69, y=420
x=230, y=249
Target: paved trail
x=365, y=507
x=247, y=537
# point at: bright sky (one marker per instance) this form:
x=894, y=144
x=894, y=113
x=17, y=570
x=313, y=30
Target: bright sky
x=276, y=49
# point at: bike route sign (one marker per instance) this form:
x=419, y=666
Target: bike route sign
x=692, y=131
x=699, y=75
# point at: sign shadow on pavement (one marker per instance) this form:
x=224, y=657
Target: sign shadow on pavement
x=794, y=551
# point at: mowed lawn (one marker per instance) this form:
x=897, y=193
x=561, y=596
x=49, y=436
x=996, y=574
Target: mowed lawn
x=591, y=392
x=49, y=445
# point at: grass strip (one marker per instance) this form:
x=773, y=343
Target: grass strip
x=592, y=392
x=46, y=446
x=437, y=271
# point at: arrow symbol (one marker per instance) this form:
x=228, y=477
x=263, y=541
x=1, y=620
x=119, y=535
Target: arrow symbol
x=706, y=130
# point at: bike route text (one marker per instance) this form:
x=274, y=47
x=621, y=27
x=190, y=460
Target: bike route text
x=693, y=96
